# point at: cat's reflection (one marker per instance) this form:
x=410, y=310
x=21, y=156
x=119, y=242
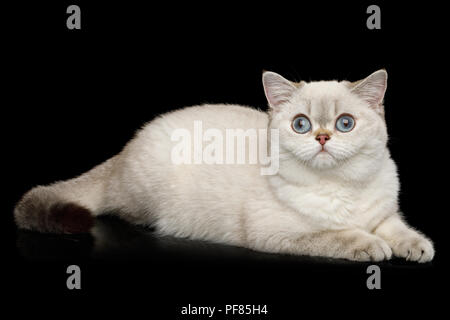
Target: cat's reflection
x=108, y=235
x=112, y=238
x=37, y=246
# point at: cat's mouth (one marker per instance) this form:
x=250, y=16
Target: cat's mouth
x=323, y=151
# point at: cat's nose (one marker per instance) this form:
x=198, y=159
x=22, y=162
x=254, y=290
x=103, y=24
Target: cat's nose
x=322, y=138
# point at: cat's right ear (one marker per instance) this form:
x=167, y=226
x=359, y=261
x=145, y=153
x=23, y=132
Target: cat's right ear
x=278, y=90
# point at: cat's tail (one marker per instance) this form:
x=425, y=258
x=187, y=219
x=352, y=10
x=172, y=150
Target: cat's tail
x=66, y=206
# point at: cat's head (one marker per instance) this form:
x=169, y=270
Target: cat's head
x=327, y=123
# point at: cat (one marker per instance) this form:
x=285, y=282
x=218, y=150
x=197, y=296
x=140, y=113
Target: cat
x=335, y=193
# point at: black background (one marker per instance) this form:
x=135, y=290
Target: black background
x=73, y=98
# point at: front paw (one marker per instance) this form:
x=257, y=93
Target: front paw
x=414, y=248
x=370, y=249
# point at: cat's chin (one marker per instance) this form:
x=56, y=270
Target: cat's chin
x=323, y=160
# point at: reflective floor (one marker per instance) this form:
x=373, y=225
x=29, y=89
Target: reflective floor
x=114, y=239
x=121, y=261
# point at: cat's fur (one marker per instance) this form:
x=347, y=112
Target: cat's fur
x=341, y=203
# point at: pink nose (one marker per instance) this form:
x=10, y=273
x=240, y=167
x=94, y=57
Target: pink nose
x=322, y=138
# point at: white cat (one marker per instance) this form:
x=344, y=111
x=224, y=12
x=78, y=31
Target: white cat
x=334, y=195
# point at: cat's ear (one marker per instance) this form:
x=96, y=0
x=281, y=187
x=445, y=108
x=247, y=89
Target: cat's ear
x=372, y=89
x=278, y=90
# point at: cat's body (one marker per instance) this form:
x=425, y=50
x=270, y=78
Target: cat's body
x=338, y=203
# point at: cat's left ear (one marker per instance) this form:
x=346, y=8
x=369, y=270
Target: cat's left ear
x=278, y=90
x=372, y=89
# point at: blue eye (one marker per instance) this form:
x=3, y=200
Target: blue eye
x=345, y=123
x=301, y=124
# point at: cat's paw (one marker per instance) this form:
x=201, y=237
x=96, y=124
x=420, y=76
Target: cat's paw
x=414, y=248
x=370, y=249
